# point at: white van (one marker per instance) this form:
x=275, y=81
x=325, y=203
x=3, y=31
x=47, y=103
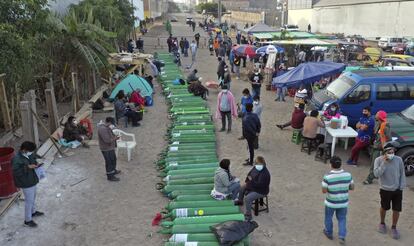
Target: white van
x=386, y=43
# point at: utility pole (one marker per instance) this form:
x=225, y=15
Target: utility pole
x=219, y=11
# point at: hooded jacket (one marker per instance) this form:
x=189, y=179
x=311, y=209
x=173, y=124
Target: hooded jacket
x=260, y=181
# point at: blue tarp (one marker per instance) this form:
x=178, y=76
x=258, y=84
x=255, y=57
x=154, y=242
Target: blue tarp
x=132, y=82
x=308, y=72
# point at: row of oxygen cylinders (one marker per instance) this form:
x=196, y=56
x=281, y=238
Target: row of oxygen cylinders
x=187, y=167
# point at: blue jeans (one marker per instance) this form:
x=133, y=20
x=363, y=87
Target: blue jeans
x=340, y=216
x=234, y=189
x=29, y=202
x=255, y=91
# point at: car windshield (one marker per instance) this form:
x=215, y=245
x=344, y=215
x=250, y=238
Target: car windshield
x=340, y=86
x=409, y=112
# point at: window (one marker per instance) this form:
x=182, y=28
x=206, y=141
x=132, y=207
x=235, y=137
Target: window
x=392, y=92
x=360, y=94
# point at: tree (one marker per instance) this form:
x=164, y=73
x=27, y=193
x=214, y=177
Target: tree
x=210, y=8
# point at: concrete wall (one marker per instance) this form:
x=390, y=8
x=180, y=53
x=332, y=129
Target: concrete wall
x=235, y=5
x=247, y=17
x=368, y=20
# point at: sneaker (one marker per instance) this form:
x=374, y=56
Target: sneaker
x=382, y=228
x=117, y=171
x=327, y=235
x=280, y=127
x=367, y=182
x=341, y=241
x=247, y=163
x=351, y=162
x=395, y=233
x=241, y=138
x=37, y=213
x=222, y=130
x=113, y=178
x=30, y=224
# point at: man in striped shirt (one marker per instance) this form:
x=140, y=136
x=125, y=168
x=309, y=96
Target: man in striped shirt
x=336, y=184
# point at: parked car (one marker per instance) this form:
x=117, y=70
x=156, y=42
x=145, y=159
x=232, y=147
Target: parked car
x=402, y=57
x=173, y=19
x=389, y=62
x=402, y=129
x=399, y=48
x=386, y=43
x=391, y=91
x=290, y=28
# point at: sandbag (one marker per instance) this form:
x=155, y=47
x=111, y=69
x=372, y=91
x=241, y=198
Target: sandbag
x=231, y=232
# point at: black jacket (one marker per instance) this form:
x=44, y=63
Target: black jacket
x=24, y=177
x=251, y=125
x=260, y=181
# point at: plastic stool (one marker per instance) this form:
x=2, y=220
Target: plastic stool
x=261, y=202
x=323, y=152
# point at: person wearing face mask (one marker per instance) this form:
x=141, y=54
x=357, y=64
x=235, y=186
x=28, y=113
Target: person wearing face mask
x=251, y=129
x=256, y=186
x=25, y=177
x=226, y=108
x=256, y=80
x=390, y=171
x=365, y=128
x=332, y=112
x=107, y=145
x=75, y=132
x=257, y=109
x=245, y=99
x=382, y=134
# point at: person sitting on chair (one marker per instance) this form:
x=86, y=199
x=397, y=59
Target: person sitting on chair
x=332, y=112
x=256, y=186
x=225, y=184
x=311, y=124
x=75, y=132
x=123, y=110
x=137, y=99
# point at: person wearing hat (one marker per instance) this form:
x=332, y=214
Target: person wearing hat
x=336, y=185
x=382, y=134
x=390, y=171
x=107, y=144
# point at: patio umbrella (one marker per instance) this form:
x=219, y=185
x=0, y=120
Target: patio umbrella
x=269, y=48
x=245, y=50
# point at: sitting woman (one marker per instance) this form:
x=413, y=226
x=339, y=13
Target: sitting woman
x=123, y=110
x=197, y=89
x=137, y=99
x=225, y=184
x=332, y=112
x=192, y=77
x=75, y=132
x=256, y=186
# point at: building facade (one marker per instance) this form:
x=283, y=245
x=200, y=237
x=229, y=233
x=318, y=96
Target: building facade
x=369, y=18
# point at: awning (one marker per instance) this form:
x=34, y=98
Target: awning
x=262, y=35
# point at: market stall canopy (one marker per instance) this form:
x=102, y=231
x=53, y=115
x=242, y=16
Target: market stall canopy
x=289, y=35
x=130, y=83
x=259, y=27
x=308, y=41
x=308, y=72
x=269, y=49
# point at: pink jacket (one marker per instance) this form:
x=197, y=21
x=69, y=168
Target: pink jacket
x=232, y=104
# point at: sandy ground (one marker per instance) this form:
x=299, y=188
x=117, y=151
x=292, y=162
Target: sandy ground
x=96, y=212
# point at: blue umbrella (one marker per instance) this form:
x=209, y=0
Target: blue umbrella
x=307, y=73
x=265, y=49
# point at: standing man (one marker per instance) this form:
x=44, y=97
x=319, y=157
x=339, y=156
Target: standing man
x=238, y=37
x=251, y=129
x=197, y=38
x=186, y=47
x=382, y=134
x=336, y=184
x=390, y=171
x=236, y=63
x=170, y=43
x=140, y=45
x=226, y=108
x=220, y=68
x=24, y=165
x=107, y=144
x=256, y=80
x=181, y=44
x=365, y=128
x=226, y=77
x=193, y=24
x=309, y=28
x=193, y=47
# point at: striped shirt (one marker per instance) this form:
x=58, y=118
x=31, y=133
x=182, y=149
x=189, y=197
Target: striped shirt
x=337, y=183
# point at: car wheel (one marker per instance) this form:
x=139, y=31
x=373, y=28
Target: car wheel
x=407, y=154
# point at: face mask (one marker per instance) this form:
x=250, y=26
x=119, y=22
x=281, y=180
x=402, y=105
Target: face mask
x=75, y=122
x=256, y=102
x=256, y=73
x=390, y=156
x=333, y=108
x=111, y=127
x=225, y=91
x=259, y=167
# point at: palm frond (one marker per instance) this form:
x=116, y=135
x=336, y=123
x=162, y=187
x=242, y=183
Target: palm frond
x=84, y=52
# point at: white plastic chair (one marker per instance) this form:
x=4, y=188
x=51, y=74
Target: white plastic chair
x=123, y=143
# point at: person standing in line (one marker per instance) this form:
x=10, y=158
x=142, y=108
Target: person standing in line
x=309, y=28
x=170, y=43
x=365, y=128
x=193, y=24
x=216, y=46
x=226, y=108
x=181, y=44
x=23, y=166
x=257, y=109
x=231, y=60
x=256, y=80
x=197, y=39
x=236, y=63
x=107, y=144
x=238, y=37
x=210, y=45
x=227, y=77
x=390, y=171
x=382, y=134
x=193, y=47
x=251, y=129
x=336, y=185
x=220, y=68
x=186, y=47
x=256, y=186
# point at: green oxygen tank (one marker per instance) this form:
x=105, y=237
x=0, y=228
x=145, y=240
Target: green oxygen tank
x=203, y=180
x=199, y=244
x=191, y=166
x=201, y=211
x=187, y=171
x=177, y=193
x=196, y=237
x=203, y=219
x=195, y=204
x=193, y=127
x=202, y=197
x=169, y=188
x=188, y=176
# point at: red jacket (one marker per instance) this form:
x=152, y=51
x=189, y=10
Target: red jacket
x=298, y=116
x=137, y=99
